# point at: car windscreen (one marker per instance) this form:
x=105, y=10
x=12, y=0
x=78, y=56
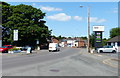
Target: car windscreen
x=110, y=46
x=105, y=46
x=4, y=47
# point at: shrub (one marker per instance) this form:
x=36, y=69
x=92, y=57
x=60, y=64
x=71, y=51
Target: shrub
x=14, y=48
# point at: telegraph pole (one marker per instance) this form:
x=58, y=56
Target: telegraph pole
x=88, y=21
x=88, y=30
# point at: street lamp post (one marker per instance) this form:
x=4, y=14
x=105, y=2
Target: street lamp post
x=88, y=45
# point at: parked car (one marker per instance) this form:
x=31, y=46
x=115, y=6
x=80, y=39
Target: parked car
x=107, y=49
x=24, y=48
x=5, y=48
x=54, y=47
x=44, y=46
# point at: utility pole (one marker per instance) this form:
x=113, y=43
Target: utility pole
x=88, y=45
x=88, y=30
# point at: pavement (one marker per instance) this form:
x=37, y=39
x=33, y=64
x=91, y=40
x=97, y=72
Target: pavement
x=109, y=60
x=17, y=54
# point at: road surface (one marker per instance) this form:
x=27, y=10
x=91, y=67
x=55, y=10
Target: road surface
x=67, y=62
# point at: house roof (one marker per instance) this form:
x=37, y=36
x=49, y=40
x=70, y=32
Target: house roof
x=115, y=39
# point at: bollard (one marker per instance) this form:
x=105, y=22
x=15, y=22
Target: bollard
x=92, y=51
x=29, y=50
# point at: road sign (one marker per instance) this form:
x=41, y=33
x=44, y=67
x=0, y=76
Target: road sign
x=0, y=32
x=0, y=35
x=98, y=39
x=15, y=37
x=37, y=42
x=98, y=28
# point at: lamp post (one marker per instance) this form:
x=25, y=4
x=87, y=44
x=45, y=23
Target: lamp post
x=88, y=45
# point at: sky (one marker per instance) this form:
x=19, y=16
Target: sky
x=70, y=20
x=60, y=0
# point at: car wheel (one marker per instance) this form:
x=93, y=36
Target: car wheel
x=101, y=51
x=113, y=51
x=5, y=51
x=49, y=50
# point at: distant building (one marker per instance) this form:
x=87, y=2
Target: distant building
x=54, y=40
x=63, y=43
x=73, y=42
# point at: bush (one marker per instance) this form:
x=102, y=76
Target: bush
x=14, y=48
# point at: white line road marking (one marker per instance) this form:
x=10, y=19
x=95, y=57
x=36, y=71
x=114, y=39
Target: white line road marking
x=107, y=61
x=98, y=55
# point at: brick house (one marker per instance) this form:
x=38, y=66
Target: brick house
x=54, y=40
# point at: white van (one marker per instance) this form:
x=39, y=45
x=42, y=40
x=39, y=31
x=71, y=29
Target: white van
x=54, y=47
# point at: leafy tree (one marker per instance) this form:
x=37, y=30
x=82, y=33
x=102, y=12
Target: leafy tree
x=92, y=39
x=114, y=32
x=61, y=37
x=28, y=21
x=6, y=12
x=84, y=38
x=104, y=41
x=0, y=13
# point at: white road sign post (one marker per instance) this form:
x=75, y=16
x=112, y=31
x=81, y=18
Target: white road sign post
x=15, y=37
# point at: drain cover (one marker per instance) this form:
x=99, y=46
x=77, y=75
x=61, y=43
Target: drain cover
x=54, y=70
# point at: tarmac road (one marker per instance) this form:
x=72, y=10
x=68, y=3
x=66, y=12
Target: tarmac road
x=67, y=62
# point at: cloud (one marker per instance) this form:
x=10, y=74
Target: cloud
x=78, y=18
x=50, y=8
x=59, y=17
x=115, y=10
x=33, y=4
x=65, y=17
x=97, y=20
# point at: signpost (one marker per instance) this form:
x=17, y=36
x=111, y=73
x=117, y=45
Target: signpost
x=98, y=35
x=0, y=35
x=15, y=37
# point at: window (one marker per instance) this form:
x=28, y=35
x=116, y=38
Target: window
x=9, y=46
x=110, y=47
x=118, y=43
x=105, y=47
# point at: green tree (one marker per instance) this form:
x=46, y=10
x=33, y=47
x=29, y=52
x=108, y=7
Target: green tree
x=104, y=41
x=0, y=13
x=6, y=12
x=92, y=40
x=84, y=38
x=60, y=37
x=28, y=21
x=114, y=32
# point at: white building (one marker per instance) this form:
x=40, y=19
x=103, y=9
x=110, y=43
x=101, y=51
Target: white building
x=115, y=41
